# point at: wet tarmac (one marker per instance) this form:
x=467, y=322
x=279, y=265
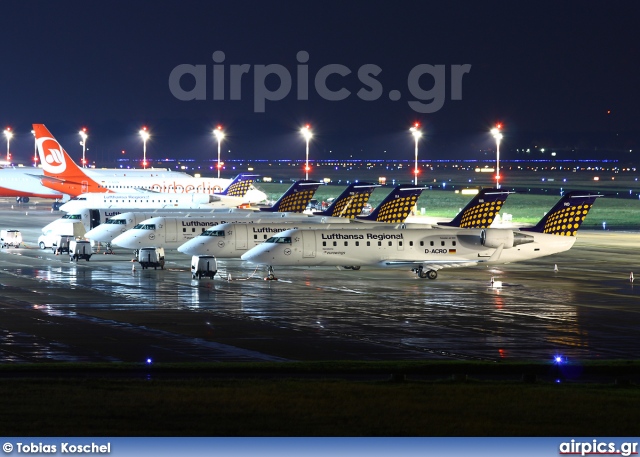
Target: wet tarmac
x=52, y=309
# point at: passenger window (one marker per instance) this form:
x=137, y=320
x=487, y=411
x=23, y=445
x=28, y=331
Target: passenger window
x=346, y=243
x=441, y=243
x=324, y=243
x=431, y=243
x=357, y=243
x=453, y=244
x=335, y=243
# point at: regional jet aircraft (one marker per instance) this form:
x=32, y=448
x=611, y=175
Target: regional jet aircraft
x=426, y=250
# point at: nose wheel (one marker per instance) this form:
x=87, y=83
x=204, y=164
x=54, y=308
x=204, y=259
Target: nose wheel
x=270, y=274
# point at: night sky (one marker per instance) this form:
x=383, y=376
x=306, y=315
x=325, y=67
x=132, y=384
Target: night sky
x=563, y=74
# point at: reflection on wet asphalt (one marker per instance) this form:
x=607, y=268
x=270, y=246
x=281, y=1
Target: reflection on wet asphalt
x=53, y=309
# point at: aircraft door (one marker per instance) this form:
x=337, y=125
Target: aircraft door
x=170, y=229
x=308, y=243
x=94, y=218
x=241, y=234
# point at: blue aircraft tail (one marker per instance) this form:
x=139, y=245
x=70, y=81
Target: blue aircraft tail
x=567, y=215
x=480, y=211
x=240, y=185
x=296, y=198
x=396, y=206
x=350, y=202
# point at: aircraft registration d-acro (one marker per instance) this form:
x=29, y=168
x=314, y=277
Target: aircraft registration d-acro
x=62, y=174
x=236, y=194
x=427, y=250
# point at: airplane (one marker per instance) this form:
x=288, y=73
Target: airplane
x=231, y=240
x=119, y=224
x=426, y=250
x=237, y=193
x=61, y=173
x=24, y=183
x=165, y=231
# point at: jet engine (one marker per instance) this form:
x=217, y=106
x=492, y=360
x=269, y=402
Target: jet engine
x=493, y=238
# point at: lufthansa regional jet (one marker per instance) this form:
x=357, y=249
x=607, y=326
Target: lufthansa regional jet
x=426, y=251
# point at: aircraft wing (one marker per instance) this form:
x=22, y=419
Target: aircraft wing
x=440, y=264
x=38, y=177
x=432, y=265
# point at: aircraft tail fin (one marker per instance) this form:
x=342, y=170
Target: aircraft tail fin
x=396, y=206
x=296, y=198
x=480, y=211
x=56, y=163
x=350, y=202
x=239, y=186
x=567, y=215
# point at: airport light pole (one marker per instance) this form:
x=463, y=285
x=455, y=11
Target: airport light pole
x=35, y=149
x=145, y=136
x=9, y=134
x=306, y=133
x=83, y=135
x=415, y=131
x=219, y=136
x=495, y=132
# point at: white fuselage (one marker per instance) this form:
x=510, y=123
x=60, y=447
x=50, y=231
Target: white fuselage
x=402, y=247
x=153, y=200
x=231, y=240
x=25, y=181
x=118, y=224
x=94, y=219
x=171, y=232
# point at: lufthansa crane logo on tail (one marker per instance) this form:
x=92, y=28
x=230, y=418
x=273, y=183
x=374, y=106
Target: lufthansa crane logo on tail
x=51, y=155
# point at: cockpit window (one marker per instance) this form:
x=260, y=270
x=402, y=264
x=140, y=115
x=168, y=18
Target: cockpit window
x=72, y=216
x=145, y=227
x=116, y=221
x=213, y=233
x=279, y=239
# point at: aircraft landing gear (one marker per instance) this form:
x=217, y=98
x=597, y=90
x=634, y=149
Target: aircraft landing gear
x=270, y=274
x=422, y=273
x=108, y=249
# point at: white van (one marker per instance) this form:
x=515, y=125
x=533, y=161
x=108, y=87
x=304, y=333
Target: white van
x=151, y=257
x=11, y=238
x=203, y=265
x=80, y=249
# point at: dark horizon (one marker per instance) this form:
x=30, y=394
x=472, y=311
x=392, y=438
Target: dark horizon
x=361, y=73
